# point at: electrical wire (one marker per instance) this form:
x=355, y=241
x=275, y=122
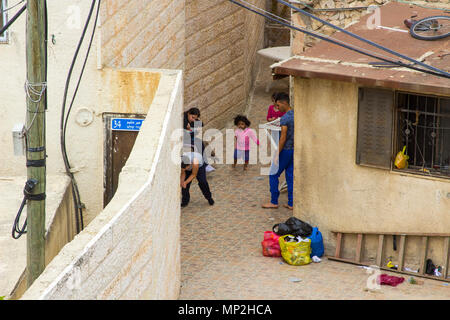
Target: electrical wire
x=84, y=66
x=12, y=7
x=340, y=43
x=17, y=231
x=317, y=34
x=63, y=124
x=439, y=71
x=13, y=19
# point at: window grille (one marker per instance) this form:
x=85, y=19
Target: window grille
x=423, y=126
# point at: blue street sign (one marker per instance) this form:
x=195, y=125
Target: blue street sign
x=126, y=124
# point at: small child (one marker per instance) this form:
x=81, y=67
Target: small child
x=274, y=113
x=242, y=136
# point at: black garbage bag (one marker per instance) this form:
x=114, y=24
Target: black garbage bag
x=293, y=226
x=429, y=269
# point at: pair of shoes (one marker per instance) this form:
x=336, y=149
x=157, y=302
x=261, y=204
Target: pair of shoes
x=211, y=201
x=183, y=205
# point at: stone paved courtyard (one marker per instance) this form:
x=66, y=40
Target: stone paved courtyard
x=221, y=256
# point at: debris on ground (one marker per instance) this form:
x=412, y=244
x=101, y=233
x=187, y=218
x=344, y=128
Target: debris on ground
x=393, y=281
x=412, y=280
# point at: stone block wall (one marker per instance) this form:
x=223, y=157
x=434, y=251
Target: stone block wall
x=213, y=41
x=143, y=34
x=335, y=14
x=221, y=44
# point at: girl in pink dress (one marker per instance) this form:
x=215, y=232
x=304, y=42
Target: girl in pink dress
x=242, y=136
x=273, y=112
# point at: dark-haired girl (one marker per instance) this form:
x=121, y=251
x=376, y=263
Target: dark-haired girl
x=191, y=122
x=274, y=113
x=242, y=136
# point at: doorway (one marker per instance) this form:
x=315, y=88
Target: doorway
x=121, y=131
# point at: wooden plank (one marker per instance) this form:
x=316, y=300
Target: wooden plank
x=401, y=253
x=359, y=247
x=389, y=269
x=446, y=253
x=380, y=250
x=423, y=255
x=338, y=245
x=416, y=234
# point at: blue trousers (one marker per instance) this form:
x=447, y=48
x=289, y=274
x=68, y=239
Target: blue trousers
x=285, y=163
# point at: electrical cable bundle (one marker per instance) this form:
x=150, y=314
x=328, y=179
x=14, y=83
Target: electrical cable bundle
x=64, y=117
x=17, y=231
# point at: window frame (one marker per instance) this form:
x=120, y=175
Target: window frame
x=4, y=5
x=396, y=136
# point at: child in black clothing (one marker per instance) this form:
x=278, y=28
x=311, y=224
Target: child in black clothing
x=193, y=167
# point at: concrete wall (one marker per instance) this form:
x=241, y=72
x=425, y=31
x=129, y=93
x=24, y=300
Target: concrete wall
x=334, y=193
x=131, y=250
x=59, y=224
x=60, y=229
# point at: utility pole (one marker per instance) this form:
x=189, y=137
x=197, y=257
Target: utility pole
x=36, y=91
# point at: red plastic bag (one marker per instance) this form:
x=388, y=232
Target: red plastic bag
x=270, y=245
x=390, y=280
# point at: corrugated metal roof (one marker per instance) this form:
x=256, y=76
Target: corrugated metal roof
x=329, y=61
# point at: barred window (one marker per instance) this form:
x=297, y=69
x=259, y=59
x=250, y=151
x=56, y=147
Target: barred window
x=389, y=121
x=423, y=126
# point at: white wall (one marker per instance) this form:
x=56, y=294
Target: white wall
x=131, y=250
x=66, y=19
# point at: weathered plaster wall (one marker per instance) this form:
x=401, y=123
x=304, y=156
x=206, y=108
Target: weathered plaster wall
x=131, y=249
x=334, y=193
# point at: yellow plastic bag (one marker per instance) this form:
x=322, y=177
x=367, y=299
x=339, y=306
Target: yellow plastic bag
x=401, y=160
x=296, y=253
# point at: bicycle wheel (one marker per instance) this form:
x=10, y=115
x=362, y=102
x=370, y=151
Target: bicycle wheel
x=431, y=28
